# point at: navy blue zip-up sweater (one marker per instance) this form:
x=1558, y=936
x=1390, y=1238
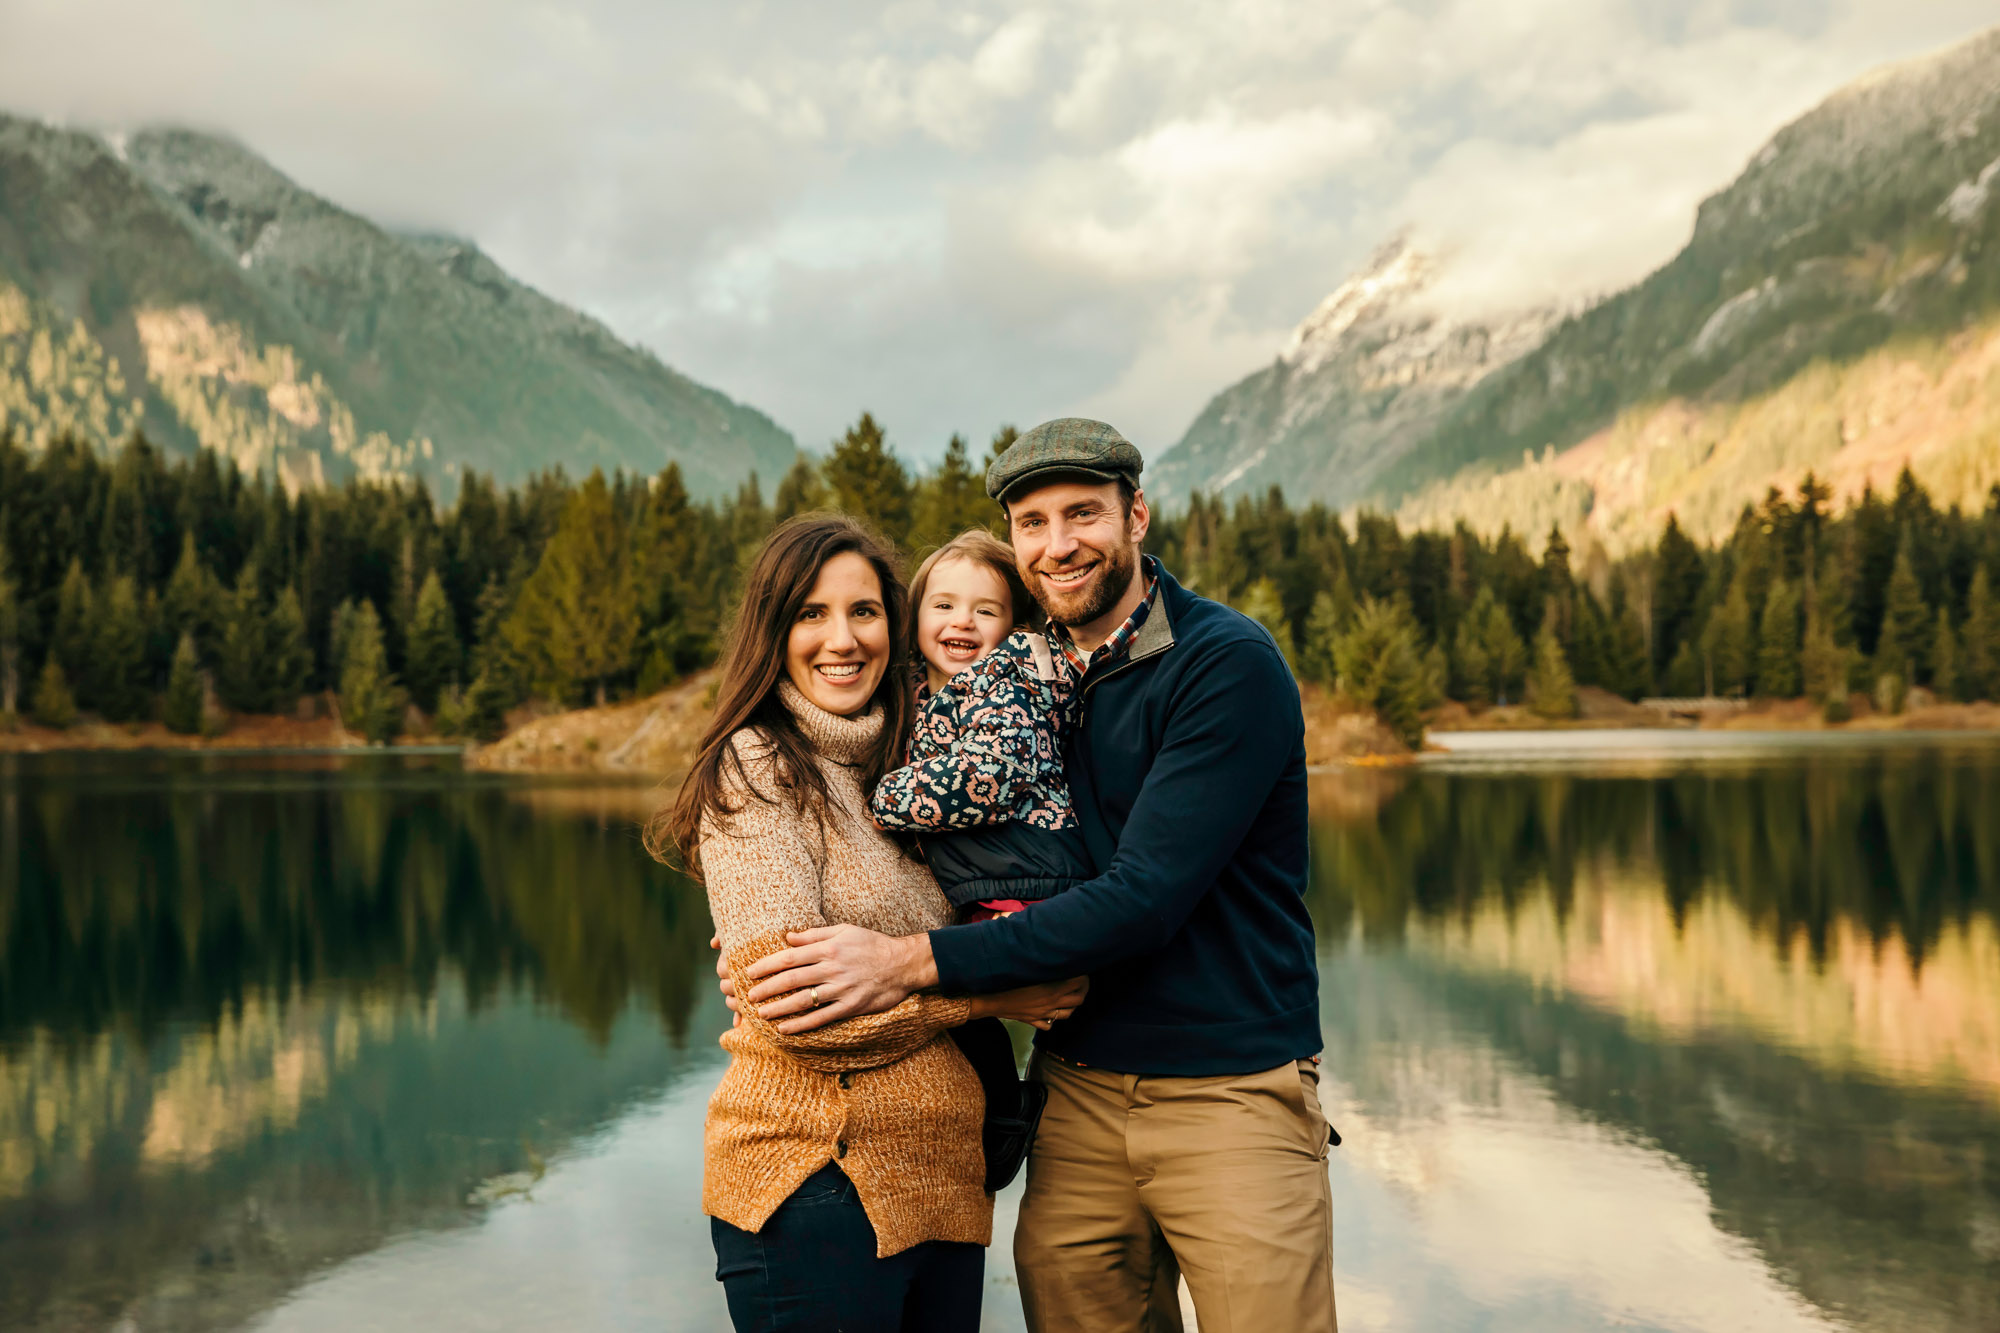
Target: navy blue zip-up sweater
x=1188, y=770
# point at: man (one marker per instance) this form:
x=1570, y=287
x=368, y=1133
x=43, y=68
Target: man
x=1183, y=1129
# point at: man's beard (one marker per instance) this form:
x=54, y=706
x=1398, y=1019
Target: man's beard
x=1112, y=580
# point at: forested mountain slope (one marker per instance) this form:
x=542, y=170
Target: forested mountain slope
x=179, y=283
x=1362, y=381
x=1834, y=309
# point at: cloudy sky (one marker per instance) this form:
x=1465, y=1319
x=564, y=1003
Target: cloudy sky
x=959, y=215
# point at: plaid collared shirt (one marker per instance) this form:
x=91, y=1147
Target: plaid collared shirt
x=1115, y=647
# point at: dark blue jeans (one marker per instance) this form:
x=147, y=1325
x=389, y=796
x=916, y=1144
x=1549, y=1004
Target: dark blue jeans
x=812, y=1269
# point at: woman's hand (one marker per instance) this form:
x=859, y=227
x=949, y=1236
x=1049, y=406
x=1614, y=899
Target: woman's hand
x=728, y=986
x=1037, y=1006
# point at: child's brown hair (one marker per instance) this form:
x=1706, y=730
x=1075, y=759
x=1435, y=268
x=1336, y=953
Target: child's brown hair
x=981, y=547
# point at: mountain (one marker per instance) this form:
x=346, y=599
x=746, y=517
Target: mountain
x=177, y=282
x=1367, y=376
x=1837, y=308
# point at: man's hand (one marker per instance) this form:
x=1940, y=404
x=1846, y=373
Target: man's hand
x=847, y=969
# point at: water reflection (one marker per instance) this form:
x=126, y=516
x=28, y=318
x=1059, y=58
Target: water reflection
x=1696, y=1045
x=255, y=1020
x=1567, y=1000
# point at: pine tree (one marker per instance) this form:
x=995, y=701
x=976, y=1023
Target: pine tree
x=118, y=656
x=482, y=712
x=1822, y=662
x=194, y=600
x=185, y=692
x=1472, y=670
x=1380, y=668
x=1778, y=643
x=1677, y=583
x=1436, y=680
x=1589, y=645
x=1685, y=677
x=371, y=703
x=1558, y=588
x=1631, y=667
x=1551, y=687
x=800, y=491
x=53, y=705
x=75, y=620
x=749, y=524
x=1944, y=659
x=675, y=581
x=1323, y=629
x=1979, y=666
x=868, y=481
x=289, y=662
x=10, y=638
x=1260, y=603
x=1506, y=654
x=432, y=660
x=403, y=602
x=950, y=500
x=1907, y=626
x=576, y=623
x=1728, y=644
x=242, y=656
x=492, y=657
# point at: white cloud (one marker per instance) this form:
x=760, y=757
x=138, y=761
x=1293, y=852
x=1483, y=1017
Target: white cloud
x=1193, y=197
x=959, y=212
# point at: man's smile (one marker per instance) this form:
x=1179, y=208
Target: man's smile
x=1063, y=580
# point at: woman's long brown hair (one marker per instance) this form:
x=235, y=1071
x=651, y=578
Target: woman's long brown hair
x=753, y=662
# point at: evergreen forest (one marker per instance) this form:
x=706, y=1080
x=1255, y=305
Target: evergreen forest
x=144, y=585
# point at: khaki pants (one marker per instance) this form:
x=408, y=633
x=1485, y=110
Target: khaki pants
x=1135, y=1181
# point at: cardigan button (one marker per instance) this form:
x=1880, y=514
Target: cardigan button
x=847, y=1080
x=840, y=1148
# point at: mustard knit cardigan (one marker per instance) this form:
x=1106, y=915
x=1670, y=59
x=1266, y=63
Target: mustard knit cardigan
x=887, y=1096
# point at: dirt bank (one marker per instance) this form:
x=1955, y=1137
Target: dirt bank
x=656, y=736
x=243, y=733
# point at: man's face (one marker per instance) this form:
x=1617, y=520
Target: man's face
x=1076, y=547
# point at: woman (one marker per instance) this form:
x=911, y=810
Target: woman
x=843, y=1166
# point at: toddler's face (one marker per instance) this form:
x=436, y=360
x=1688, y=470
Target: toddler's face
x=965, y=614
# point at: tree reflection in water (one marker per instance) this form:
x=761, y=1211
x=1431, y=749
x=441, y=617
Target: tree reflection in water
x=260, y=1016
x=1784, y=974
x=257, y=1015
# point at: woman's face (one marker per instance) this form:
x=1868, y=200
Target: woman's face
x=839, y=645
x=966, y=612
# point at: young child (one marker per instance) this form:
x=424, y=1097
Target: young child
x=984, y=790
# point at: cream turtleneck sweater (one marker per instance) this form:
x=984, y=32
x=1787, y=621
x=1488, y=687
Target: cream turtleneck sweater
x=887, y=1096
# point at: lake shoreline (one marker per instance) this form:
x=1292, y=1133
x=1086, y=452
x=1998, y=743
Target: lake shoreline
x=656, y=737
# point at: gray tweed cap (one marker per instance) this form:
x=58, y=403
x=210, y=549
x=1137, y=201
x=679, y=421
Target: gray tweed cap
x=1067, y=446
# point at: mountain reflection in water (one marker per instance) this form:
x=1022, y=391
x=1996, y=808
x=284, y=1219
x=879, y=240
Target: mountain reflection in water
x=306, y=1043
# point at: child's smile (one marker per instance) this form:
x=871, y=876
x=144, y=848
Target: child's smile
x=966, y=613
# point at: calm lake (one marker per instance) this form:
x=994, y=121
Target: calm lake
x=1699, y=1036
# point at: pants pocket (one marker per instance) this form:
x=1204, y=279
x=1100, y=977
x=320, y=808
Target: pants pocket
x=1325, y=1136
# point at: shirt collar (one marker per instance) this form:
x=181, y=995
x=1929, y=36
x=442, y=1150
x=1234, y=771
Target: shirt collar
x=1118, y=644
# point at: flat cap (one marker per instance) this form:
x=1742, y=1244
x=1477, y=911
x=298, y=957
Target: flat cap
x=1067, y=446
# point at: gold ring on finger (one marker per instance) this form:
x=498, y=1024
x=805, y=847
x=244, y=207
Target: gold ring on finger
x=812, y=992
